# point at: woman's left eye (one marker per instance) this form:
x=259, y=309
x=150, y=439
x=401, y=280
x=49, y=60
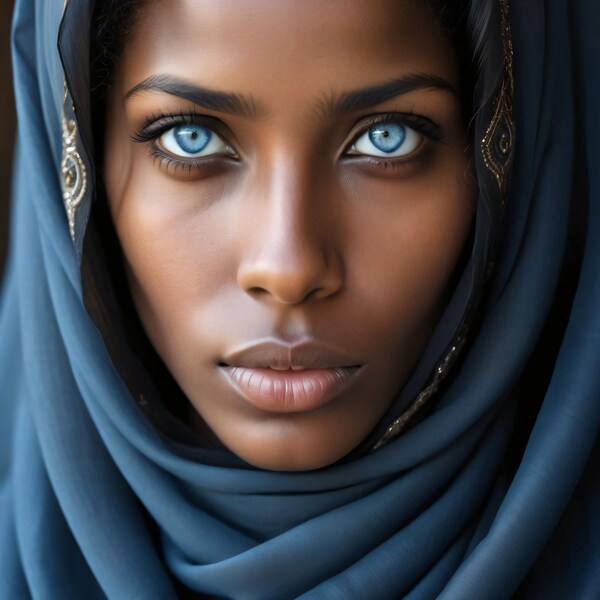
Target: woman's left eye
x=193, y=141
x=388, y=138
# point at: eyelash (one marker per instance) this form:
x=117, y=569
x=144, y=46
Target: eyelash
x=156, y=125
x=423, y=125
x=417, y=122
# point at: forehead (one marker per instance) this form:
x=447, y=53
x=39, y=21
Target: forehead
x=283, y=50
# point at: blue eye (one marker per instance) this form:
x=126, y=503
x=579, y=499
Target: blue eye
x=387, y=138
x=191, y=141
x=192, y=138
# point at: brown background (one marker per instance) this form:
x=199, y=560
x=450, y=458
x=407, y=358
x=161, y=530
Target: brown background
x=7, y=123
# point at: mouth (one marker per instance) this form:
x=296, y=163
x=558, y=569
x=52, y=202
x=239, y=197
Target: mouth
x=281, y=378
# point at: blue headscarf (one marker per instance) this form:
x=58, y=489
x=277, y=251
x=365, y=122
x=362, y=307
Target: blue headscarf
x=494, y=493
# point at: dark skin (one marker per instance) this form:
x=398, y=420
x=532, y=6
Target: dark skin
x=292, y=223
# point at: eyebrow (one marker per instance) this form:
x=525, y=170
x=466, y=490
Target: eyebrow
x=331, y=107
x=225, y=102
x=371, y=96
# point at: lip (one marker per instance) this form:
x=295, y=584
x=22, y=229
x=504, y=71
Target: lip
x=279, y=377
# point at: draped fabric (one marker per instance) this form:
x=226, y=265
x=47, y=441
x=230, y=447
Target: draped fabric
x=493, y=495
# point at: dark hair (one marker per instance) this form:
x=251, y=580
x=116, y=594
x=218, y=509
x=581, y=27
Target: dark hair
x=474, y=28
x=112, y=22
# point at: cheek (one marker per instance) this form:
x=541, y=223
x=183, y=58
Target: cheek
x=176, y=265
x=173, y=248
x=412, y=238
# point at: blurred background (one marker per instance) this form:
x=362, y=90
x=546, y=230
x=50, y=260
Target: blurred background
x=7, y=123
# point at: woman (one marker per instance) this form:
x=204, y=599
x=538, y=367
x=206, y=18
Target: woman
x=307, y=337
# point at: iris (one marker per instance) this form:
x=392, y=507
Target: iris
x=192, y=138
x=387, y=137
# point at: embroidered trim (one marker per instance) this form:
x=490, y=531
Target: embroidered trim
x=74, y=178
x=73, y=171
x=498, y=141
x=398, y=426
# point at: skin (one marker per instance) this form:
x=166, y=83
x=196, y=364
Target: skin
x=293, y=236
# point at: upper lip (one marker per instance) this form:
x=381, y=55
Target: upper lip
x=306, y=354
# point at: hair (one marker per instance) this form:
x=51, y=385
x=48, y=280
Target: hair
x=112, y=22
x=473, y=26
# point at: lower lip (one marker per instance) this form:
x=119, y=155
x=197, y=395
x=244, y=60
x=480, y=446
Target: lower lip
x=289, y=391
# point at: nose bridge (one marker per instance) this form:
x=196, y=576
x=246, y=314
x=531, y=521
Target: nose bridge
x=291, y=227
x=291, y=253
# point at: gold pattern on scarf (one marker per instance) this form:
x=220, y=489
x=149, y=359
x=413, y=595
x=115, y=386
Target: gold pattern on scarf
x=73, y=171
x=439, y=374
x=72, y=167
x=498, y=141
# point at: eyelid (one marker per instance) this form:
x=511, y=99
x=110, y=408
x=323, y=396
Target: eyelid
x=192, y=168
x=155, y=126
x=420, y=124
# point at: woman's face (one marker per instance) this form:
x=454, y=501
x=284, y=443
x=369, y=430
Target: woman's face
x=291, y=188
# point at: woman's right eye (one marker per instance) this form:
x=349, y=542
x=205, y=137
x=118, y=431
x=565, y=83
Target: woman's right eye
x=193, y=141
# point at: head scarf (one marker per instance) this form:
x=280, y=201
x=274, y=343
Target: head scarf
x=492, y=494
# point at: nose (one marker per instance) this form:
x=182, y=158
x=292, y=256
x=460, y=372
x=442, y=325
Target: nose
x=291, y=254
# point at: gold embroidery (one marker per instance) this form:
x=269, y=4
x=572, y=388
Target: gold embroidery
x=72, y=167
x=498, y=141
x=74, y=176
x=439, y=374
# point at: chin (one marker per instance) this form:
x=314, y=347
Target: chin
x=289, y=445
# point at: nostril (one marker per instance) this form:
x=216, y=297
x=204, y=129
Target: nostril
x=257, y=290
x=290, y=279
